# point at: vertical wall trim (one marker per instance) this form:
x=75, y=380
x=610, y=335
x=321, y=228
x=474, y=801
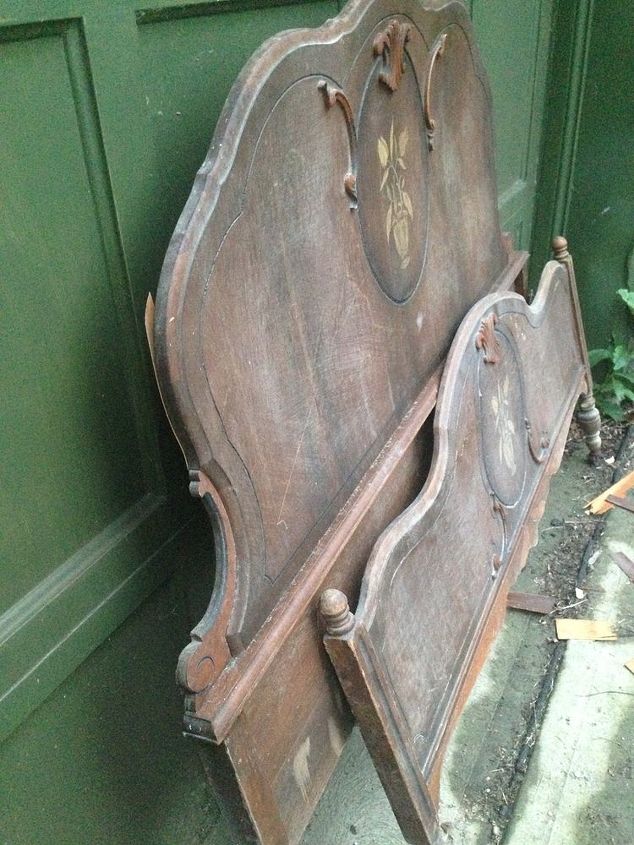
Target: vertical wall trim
x=537, y=29
x=576, y=91
x=542, y=48
x=97, y=170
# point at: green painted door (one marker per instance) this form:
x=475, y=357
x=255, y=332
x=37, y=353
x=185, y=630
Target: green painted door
x=106, y=111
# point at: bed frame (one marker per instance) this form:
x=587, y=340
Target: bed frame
x=343, y=223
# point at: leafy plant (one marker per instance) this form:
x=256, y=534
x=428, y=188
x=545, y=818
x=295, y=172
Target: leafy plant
x=616, y=391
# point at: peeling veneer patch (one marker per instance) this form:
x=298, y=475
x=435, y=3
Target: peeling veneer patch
x=337, y=740
x=300, y=768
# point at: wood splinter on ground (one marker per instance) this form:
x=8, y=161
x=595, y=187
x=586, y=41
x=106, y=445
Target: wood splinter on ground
x=630, y=665
x=610, y=497
x=532, y=602
x=625, y=563
x=584, y=629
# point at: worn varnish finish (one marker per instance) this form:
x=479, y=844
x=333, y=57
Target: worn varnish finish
x=341, y=226
x=436, y=584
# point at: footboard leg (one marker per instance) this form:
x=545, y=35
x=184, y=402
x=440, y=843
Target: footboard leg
x=589, y=419
x=588, y=415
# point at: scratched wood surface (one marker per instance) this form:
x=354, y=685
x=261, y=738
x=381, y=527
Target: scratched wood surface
x=436, y=583
x=342, y=224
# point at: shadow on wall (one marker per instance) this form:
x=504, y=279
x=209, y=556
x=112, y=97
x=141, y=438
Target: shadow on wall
x=110, y=737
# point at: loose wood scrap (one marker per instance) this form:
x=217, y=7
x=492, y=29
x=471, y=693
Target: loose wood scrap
x=625, y=563
x=531, y=602
x=601, y=504
x=585, y=629
x=622, y=502
x=630, y=665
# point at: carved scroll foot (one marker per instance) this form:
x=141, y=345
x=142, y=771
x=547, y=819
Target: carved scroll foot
x=589, y=419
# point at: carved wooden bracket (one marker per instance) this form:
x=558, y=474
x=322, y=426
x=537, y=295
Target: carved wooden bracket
x=202, y=661
x=539, y=451
x=500, y=511
x=430, y=123
x=392, y=42
x=487, y=341
x=333, y=96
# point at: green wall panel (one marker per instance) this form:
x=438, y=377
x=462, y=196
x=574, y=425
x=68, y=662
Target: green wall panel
x=83, y=507
x=70, y=466
x=514, y=37
x=587, y=184
x=101, y=763
x=107, y=112
x=600, y=214
x=507, y=35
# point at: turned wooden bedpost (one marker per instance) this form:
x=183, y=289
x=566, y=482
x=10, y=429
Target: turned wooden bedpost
x=587, y=414
x=336, y=612
x=371, y=698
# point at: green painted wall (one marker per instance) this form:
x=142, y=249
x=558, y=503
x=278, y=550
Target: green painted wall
x=587, y=180
x=106, y=112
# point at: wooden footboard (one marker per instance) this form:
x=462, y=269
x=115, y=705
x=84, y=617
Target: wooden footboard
x=434, y=591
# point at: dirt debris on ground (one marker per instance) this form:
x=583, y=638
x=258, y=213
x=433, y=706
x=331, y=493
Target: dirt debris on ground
x=558, y=567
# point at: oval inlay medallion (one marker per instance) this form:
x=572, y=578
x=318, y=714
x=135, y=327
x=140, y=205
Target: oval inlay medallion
x=503, y=429
x=392, y=182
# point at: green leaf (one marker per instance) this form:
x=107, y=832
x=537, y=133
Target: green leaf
x=627, y=377
x=610, y=409
x=596, y=356
x=628, y=298
x=622, y=391
x=621, y=357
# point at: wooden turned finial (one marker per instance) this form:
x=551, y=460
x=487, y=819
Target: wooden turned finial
x=589, y=419
x=560, y=247
x=336, y=612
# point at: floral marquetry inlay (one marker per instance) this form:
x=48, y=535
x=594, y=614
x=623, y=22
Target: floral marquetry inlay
x=399, y=211
x=504, y=426
x=501, y=404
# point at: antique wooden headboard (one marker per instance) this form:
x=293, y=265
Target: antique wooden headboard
x=344, y=221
